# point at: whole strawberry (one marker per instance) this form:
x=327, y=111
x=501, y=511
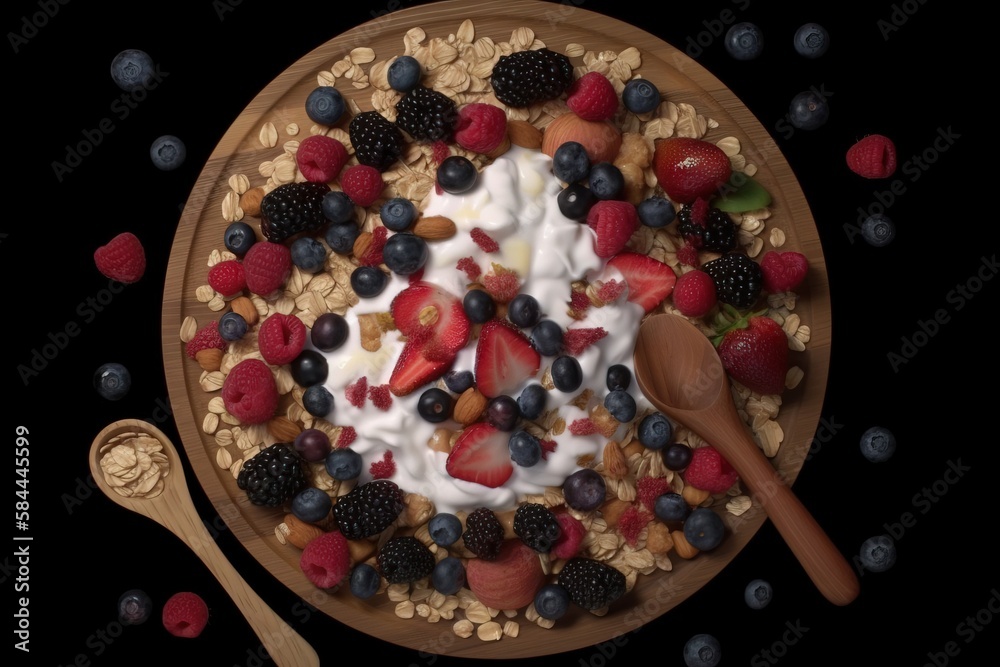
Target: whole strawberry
x=754, y=352
x=688, y=168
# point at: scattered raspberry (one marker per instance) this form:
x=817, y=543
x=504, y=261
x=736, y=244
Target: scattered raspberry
x=710, y=472
x=688, y=255
x=227, y=278
x=362, y=183
x=383, y=469
x=373, y=254
x=577, y=340
x=357, y=391
x=320, y=158
x=648, y=489
x=326, y=560
x=502, y=284
x=611, y=290
x=249, y=392
x=585, y=426
x=548, y=446
x=469, y=266
x=699, y=211
x=484, y=240
x=631, y=523
x=440, y=151
x=579, y=302
x=481, y=127
x=593, y=97
x=783, y=271
x=694, y=293
x=206, y=337
x=381, y=396
x=267, y=265
x=347, y=435
x=122, y=259
x=614, y=222
x=572, y=532
x=185, y=615
x=280, y=338
x=872, y=157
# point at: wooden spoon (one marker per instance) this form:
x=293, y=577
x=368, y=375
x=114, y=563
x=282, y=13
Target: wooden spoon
x=173, y=508
x=679, y=371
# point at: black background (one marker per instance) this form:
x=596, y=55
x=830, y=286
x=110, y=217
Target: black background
x=894, y=68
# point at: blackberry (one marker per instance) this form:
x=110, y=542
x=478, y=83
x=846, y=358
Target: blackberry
x=273, y=476
x=377, y=142
x=537, y=526
x=483, y=533
x=427, y=115
x=526, y=77
x=591, y=584
x=292, y=208
x=404, y=560
x=738, y=279
x=717, y=234
x=368, y=509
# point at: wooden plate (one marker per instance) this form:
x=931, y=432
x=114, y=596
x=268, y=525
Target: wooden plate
x=282, y=102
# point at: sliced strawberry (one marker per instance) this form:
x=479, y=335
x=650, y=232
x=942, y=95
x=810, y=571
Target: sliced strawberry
x=413, y=369
x=433, y=317
x=650, y=281
x=481, y=455
x=504, y=358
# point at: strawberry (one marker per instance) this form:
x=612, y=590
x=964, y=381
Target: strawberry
x=504, y=359
x=433, y=318
x=783, y=271
x=754, y=352
x=688, y=168
x=708, y=471
x=694, y=293
x=227, y=278
x=414, y=370
x=649, y=280
x=481, y=127
x=872, y=157
x=592, y=97
x=320, y=158
x=362, y=183
x=122, y=259
x=614, y=222
x=481, y=455
x=267, y=265
x=510, y=581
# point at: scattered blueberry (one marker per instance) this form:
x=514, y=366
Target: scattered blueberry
x=444, y=528
x=808, y=110
x=311, y=504
x=606, y=180
x=325, y=105
x=656, y=211
x=448, y=576
x=232, y=326
x=167, y=152
x=134, y=607
x=704, y=529
x=365, y=581
x=329, y=331
x=479, y=305
x=758, y=594
x=308, y=254
x=878, y=553
x=570, y=162
x=340, y=236
x=655, y=431
x=524, y=310
x=811, y=40
x=317, y=400
x=309, y=368
x=459, y=381
x=552, y=601
x=405, y=253
x=531, y=401
x=112, y=381
x=238, y=237
x=702, y=650
x=878, y=444
x=344, y=464
x=676, y=456
x=546, y=337
x=502, y=411
x=434, y=405
x=744, y=41
x=878, y=230
x=567, y=374
x=398, y=213
x=337, y=207
x=618, y=377
x=368, y=281
x=640, y=96
x=132, y=69
x=404, y=74
x=671, y=507
x=621, y=405
x=456, y=174
x=525, y=449
x=584, y=490
x=575, y=201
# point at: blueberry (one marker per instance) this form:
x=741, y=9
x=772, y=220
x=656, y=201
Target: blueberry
x=311, y=504
x=340, y=236
x=309, y=368
x=811, y=40
x=459, y=381
x=552, y=601
x=621, y=405
x=456, y=174
x=656, y=212
x=312, y=444
x=502, y=412
x=444, y=528
x=567, y=374
x=434, y=405
x=132, y=69
x=404, y=74
x=405, y=253
x=167, y=152
x=676, y=456
x=232, y=326
x=655, y=431
x=525, y=449
x=618, y=377
x=368, y=281
x=702, y=650
x=671, y=507
x=878, y=230
x=546, y=337
x=640, y=96
x=584, y=490
x=337, y=207
x=308, y=254
x=808, y=110
x=606, y=180
x=704, y=529
x=238, y=237
x=575, y=201
x=758, y=594
x=134, y=607
x=878, y=553
x=398, y=213
x=325, y=105
x=479, y=306
x=878, y=444
x=329, y=331
x=344, y=464
x=744, y=41
x=112, y=381
x=570, y=162
x=317, y=400
x=365, y=581
x=448, y=575
x=531, y=401
x=524, y=310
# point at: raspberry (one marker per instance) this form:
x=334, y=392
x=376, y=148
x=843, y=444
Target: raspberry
x=227, y=278
x=267, y=265
x=469, y=266
x=481, y=127
x=548, y=446
x=648, y=489
x=694, y=293
x=783, y=271
x=710, y=472
x=362, y=183
x=585, y=426
x=688, y=255
x=503, y=284
x=579, y=302
x=320, y=158
x=185, y=615
x=614, y=221
x=384, y=468
x=872, y=157
x=484, y=240
x=206, y=337
x=326, y=560
x=249, y=392
x=347, y=435
x=357, y=391
x=572, y=532
x=631, y=523
x=380, y=396
x=440, y=151
x=592, y=97
x=122, y=259
x=575, y=341
x=611, y=290
x=373, y=253
x=281, y=338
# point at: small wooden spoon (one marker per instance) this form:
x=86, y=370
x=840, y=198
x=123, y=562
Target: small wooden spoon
x=679, y=371
x=174, y=509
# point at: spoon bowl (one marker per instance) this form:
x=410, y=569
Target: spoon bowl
x=137, y=466
x=679, y=371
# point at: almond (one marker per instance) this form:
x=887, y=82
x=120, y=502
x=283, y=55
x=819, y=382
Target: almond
x=524, y=134
x=435, y=227
x=244, y=307
x=283, y=429
x=501, y=148
x=682, y=546
x=469, y=406
x=362, y=243
x=601, y=139
x=210, y=359
x=658, y=539
x=615, y=462
x=693, y=496
x=371, y=331
x=613, y=509
x=250, y=201
x=298, y=532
